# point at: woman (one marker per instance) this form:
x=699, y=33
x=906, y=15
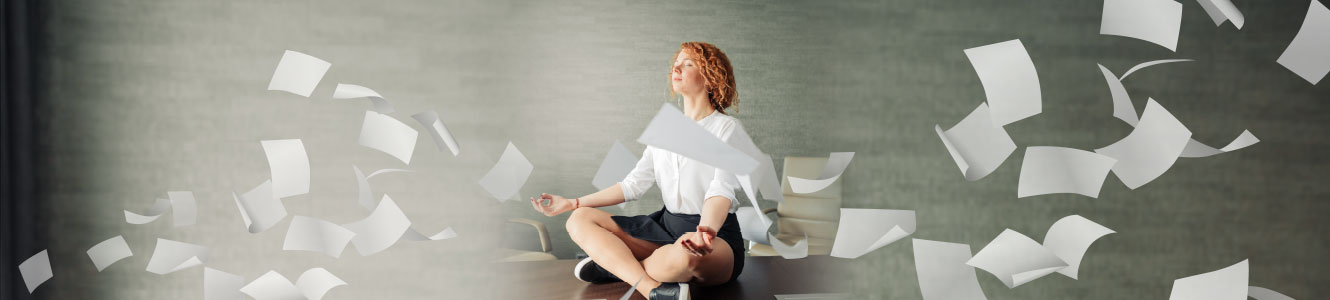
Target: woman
x=695, y=238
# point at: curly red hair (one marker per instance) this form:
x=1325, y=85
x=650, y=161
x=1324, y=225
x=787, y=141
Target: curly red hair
x=716, y=71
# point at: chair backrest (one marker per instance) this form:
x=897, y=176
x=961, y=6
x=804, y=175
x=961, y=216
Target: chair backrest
x=815, y=214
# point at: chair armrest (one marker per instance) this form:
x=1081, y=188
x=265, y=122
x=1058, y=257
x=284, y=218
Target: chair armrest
x=540, y=231
x=769, y=210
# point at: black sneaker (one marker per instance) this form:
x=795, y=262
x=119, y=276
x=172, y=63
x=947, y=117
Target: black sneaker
x=671, y=291
x=589, y=271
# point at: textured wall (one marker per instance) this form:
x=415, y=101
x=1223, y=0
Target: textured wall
x=145, y=97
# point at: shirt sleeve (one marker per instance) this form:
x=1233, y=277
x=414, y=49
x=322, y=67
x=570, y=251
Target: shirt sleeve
x=725, y=182
x=641, y=178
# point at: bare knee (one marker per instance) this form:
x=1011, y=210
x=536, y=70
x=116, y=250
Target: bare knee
x=579, y=219
x=671, y=263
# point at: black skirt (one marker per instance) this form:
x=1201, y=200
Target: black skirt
x=664, y=227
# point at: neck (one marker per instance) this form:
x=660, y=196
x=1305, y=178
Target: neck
x=697, y=107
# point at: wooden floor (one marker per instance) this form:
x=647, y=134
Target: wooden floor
x=762, y=278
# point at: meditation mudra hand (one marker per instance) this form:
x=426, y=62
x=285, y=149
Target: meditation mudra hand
x=556, y=205
x=698, y=243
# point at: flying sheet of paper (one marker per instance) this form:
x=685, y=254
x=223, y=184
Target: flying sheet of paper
x=862, y=230
x=942, y=272
x=366, y=198
x=259, y=209
x=616, y=165
x=508, y=175
x=1196, y=149
x=351, y=91
x=1055, y=170
x=36, y=270
x=298, y=73
x=631, y=291
x=384, y=133
x=1144, y=65
x=671, y=130
x=289, y=166
x=1122, y=107
x=273, y=286
x=1260, y=293
x=316, y=282
x=796, y=251
x=764, y=177
x=1011, y=84
x=170, y=256
x=310, y=234
x=1016, y=259
x=837, y=162
x=414, y=235
x=184, y=210
x=1150, y=149
x=753, y=225
x=977, y=144
x=1222, y=10
x=442, y=137
x=109, y=251
x=381, y=229
x=1155, y=21
x=1308, y=55
x=158, y=208
x=1070, y=237
x=1225, y=284
x=219, y=285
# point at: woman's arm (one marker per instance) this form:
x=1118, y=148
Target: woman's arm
x=558, y=204
x=714, y=212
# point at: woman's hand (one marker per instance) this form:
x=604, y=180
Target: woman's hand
x=698, y=243
x=557, y=204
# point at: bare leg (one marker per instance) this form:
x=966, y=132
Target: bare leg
x=671, y=263
x=610, y=247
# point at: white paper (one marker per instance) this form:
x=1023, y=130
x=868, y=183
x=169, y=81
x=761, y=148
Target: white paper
x=414, y=235
x=1197, y=149
x=316, y=282
x=170, y=256
x=1155, y=21
x=298, y=73
x=366, y=198
x=273, y=286
x=863, y=230
x=259, y=209
x=1122, y=107
x=796, y=251
x=36, y=270
x=1011, y=84
x=508, y=174
x=1055, y=170
x=1144, y=65
x=1150, y=149
x=289, y=166
x=942, y=272
x=1016, y=259
x=109, y=251
x=1260, y=293
x=977, y=144
x=837, y=162
x=310, y=234
x=384, y=133
x=442, y=137
x=218, y=285
x=1070, y=237
x=671, y=130
x=381, y=229
x=616, y=165
x=184, y=210
x=1225, y=284
x=753, y=225
x=1308, y=55
x=158, y=208
x=351, y=91
x=1223, y=10
x=763, y=179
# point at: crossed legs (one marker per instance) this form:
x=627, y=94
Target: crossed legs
x=630, y=258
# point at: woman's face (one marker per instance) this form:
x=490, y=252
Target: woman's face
x=686, y=77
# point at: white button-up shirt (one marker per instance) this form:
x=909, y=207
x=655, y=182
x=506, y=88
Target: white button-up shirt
x=685, y=183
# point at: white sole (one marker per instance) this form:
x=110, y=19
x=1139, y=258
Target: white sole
x=684, y=293
x=577, y=271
